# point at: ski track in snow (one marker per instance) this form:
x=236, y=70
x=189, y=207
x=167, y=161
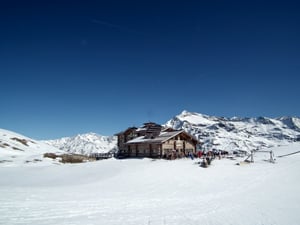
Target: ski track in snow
x=142, y=191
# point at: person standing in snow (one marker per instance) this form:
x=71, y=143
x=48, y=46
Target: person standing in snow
x=199, y=154
x=191, y=156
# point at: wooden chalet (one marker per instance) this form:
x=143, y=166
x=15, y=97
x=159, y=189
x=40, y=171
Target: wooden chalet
x=154, y=141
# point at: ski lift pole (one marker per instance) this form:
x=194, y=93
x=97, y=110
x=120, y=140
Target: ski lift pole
x=252, y=156
x=272, y=160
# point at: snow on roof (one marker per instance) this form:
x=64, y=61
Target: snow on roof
x=141, y=128
x=164, y=136
x=138, y=140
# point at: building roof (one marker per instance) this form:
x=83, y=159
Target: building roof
x=161, y=138
x=127, y=130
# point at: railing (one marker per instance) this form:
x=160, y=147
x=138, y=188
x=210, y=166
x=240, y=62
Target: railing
x=99, y=156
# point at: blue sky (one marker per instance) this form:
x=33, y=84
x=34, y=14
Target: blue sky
x=100, y=66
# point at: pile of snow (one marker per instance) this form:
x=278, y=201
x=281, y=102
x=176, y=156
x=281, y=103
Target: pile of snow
x=16, y=149
x=86, y=144
x=234, y=134
x=156, y=192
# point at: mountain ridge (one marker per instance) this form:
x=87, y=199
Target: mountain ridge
x=85, y=144
x=229, y=134
x=237, y=133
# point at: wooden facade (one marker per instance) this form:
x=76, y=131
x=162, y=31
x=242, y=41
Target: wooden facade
x=123, y=137
x=152, y=140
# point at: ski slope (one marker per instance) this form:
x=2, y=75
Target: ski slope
x=156, y=192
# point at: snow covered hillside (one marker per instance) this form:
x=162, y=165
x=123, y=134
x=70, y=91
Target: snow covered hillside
x=229, y=134
x=16, y=149
x=86, y=143
x=154, y=192
x=238, y=133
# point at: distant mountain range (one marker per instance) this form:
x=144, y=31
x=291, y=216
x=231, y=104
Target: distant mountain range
x=238, y=133
x=230, y=134
x=86, y=144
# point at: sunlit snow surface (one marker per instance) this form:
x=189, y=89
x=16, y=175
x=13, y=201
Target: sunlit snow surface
x=145, y=191
x=235, y=134
x=16, y=149
x=85, y=144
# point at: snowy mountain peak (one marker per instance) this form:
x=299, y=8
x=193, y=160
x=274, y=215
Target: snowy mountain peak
x=86, y=143
x=186, y=113
x=291, y=122
x=238, y=133
x=183, y=120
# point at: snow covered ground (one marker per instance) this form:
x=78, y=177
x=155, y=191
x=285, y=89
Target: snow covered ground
x=17, y=149
x=156, y=192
